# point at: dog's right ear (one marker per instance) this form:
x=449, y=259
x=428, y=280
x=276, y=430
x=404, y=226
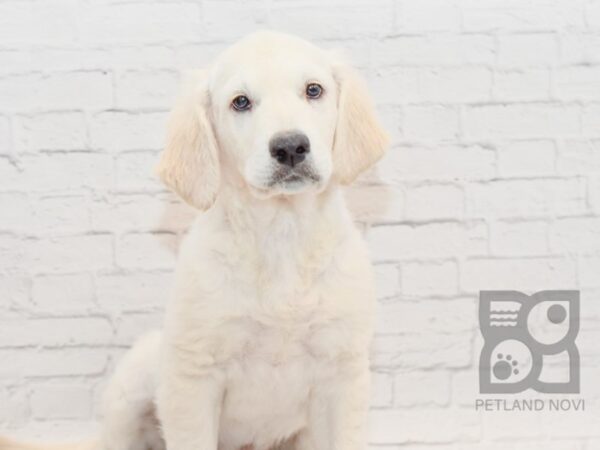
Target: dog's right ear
x=189, y=165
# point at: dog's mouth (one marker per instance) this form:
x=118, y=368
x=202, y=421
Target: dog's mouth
x=294, y=177
x=289, y=181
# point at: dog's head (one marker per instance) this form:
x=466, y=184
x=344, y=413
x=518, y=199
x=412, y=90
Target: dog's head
x=275, y=115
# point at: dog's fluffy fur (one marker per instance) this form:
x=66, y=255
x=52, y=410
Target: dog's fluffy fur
x=267, y=333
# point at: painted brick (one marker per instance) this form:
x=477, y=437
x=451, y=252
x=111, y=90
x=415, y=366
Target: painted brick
x=522, y=85
x=431, y=122
x=524, y=274
x=387, y=280
x=451, y=425
x=53, y=363
x=69, y=253
x=502, y=15
x=435, y=388
x=434, y=201
x=60, y=214
x=428, y=279
x=435, y=49
x=16, y=291
x=38, y=22
x=580, y=48
x=590, y=119
x=575, y=234
x=293, y=17
x=438, y=316
x=422, y=350
x=516, y=198
x=55, y=332
x=6, y=146
x=146, y=250
x=578, y=156
x=417, y=17
x=139, y=22
x=526, y=158
x=116, y=131
x=135, y=171
x=51, y=131
x=150, y=89
x=58, y=172
x=141, y=212
x=61, y=402
x=527, y=50
x=457, y=85
x=397, y=242
x=60, y=90
x=519, y=238
x=382, y=385
x=63, y=294
x=578, y=83
x=437, y=163
x=133, y=291
x=522, y=120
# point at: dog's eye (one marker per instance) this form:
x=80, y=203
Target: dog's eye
x=314, y=90
x=241, y=103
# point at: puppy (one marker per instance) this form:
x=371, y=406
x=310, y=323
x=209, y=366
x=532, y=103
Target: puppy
x=267, y=333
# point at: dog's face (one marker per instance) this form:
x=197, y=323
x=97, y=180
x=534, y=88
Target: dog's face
x=274, y=115
x=274, y=108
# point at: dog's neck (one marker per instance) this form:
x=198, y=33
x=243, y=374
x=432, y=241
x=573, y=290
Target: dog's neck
x=292, y=239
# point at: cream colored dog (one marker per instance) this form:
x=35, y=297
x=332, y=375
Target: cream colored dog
x=267, y=333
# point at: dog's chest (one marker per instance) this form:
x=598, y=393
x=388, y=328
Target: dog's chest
x=268, y=386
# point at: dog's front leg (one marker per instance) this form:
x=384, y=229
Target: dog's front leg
x=189, y=407
x=338, y=411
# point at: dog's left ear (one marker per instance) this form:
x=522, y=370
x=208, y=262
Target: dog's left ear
x=360, y=140
x=189, y=164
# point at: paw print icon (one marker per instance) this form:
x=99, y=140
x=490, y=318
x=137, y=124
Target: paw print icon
x=529, y=342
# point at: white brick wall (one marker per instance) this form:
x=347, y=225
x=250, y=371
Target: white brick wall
x=493, y=181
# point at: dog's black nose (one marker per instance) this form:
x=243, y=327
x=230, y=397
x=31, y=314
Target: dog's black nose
x=289, y=147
